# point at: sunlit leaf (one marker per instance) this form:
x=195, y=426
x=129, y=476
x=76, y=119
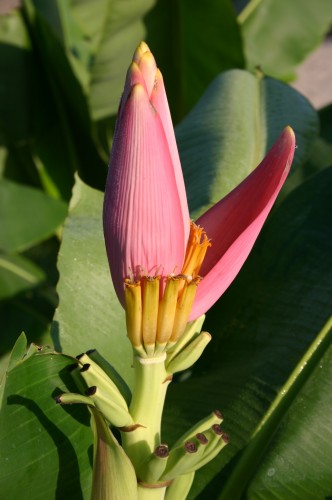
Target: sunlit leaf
x=44, y=445
x=17, y=274
x=278, y=34
x=121, y=32
x=231, y=128
x=27, y=215
x=89, y=314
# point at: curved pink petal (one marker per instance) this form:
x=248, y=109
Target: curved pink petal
x=143, y=227
x=234, y=223
x=142, y=70
x=154, y=84
x=148, y=67
x=159, y=100
x=134, y=76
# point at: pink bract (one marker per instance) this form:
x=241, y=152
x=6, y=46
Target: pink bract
x=146, y=218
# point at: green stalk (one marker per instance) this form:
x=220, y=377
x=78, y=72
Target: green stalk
x=150, y=493
x=151, y=382
x=146, y=408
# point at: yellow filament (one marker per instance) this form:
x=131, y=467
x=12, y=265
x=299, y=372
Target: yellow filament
x=198, y=244
x=155, y=323
x=150, y=299
x=133, y=312
x=167, y=308
x=190, y=245
x=183, y=309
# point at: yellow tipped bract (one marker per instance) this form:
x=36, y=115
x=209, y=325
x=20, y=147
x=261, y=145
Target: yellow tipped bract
x=157, y=312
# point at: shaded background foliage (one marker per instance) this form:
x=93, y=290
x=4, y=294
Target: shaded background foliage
x=226, y=69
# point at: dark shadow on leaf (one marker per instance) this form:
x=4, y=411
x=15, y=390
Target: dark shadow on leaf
x=77, y=411
x=65, y=376
x=55, y=335
x=214, y=487
x=68, y=482
x=90, y=455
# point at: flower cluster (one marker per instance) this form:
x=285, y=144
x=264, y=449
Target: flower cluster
x=163, y=270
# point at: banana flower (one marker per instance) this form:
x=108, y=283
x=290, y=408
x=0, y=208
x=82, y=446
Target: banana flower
x=166, y=269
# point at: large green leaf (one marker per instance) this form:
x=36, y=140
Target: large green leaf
x=188, y=58
x=298, y=462
x=231, y=128
x=15, y=77
x=279, y=34
x=262, y=328
x=193, y=43
x=89, y=314
x=32, y=310
x=122, y=30
x=44, y=448
x=189, y=61
x=29, y=312
x=27, y=215
x=100, y=38
x=57, y=18
x=83, y=12
x=29, y=124
x=68, y=89
x=86, y=47
x=17, y=274
x=320, y=155
x=16, y=102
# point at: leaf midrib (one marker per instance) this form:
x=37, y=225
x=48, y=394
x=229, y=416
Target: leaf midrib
x=257, y=446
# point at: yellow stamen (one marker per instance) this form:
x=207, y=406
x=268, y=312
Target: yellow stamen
x=133, y=312
x=183, y=308
x=198, y=244
x=156, y=321
x=167, y=309
x=150, y=298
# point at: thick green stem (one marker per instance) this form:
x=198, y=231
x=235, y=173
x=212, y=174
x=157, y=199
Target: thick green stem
x=146, y=408
x=150, y=493
x=151, y=382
